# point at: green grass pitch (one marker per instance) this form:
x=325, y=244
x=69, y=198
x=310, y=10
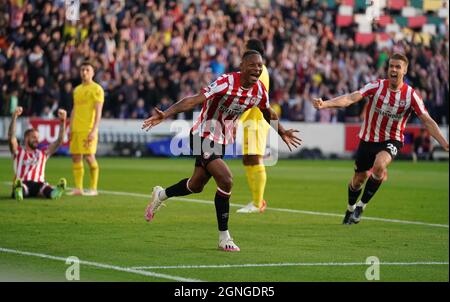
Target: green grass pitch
x=298, y=238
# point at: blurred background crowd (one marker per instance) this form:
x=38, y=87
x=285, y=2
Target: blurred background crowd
x=152, y=53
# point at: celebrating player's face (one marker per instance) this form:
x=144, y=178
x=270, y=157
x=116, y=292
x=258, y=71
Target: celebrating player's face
x=396, y=71
x=251, y=69
x=86, y=73
x=32, y=140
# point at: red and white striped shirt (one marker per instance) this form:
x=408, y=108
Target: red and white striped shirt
x=226, y=101
x=30, y=165
x=388, y=111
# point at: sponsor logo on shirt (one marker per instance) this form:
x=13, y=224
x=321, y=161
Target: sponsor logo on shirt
x=389, y=114
x=234, y=109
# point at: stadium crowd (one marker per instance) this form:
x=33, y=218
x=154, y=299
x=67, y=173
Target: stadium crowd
x=150, y=53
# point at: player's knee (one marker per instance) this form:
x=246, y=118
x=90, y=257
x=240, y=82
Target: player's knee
x=357, y=183
x=379, y=170
x=90, y=159
x=226, y=183
x=77, y=158
x=250, y=160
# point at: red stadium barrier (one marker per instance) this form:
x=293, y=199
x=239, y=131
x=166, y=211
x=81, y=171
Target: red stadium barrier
x=48, y=130
x=352, y=139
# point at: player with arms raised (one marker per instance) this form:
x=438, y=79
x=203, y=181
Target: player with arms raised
x=30, y=161
x=223, y=101
x=390, y=104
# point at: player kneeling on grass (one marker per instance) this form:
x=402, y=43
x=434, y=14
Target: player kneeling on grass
x=391, y=102
x=29, y=161
x=223, y=101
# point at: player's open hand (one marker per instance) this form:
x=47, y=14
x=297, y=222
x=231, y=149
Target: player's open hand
x=291, y=139
x=18, y=111
x=154, y=120
x=90, y=138
x=318, y=103
x=62, y=114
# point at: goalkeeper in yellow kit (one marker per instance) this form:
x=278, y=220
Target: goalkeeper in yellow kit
x=88, y=98
x=256, y=130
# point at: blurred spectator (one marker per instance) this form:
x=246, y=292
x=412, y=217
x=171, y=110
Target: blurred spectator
x=296, y=112
x=423, y=149
x=139, y=112
x=66, y=97
x=39, y=97
x=151, y=49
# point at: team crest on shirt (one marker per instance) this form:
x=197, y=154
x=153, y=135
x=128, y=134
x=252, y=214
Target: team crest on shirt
x=30, y=161
x=253, y=101
x=206, y=155
x=402, y=103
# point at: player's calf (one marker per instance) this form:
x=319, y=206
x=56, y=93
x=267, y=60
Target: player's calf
x=194, y=187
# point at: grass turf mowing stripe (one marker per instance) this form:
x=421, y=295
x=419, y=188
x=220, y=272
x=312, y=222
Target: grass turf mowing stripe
x=288, y=264
x=140, y=195
x=279, y=209
x=101, y=265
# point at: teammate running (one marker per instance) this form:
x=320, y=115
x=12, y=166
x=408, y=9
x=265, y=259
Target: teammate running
x=390, y=104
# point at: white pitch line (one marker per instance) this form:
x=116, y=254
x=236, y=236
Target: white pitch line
x=279, y=209
x=289, y=264
x=192, y=200
x=101, y=265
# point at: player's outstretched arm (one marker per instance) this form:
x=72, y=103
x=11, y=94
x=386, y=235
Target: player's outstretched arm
x=288, y=136
x=62, y=115
x=12, y=140
x=434, y=130
x=186, y=104
x=338, y=102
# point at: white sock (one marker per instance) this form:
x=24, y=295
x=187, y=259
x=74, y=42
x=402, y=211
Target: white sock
x=224, y=235
x=351, y=208
x=361, y=204
x=162, y=195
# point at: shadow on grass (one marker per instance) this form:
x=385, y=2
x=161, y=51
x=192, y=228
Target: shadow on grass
x=6, y=198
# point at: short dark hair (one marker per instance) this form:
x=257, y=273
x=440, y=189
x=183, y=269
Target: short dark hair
x=249, y=53
x=399, y=56
x=88, y=63
x=255, y=44
x=28, y=132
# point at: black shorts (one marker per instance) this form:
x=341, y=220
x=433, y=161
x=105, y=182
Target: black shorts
x=33, y=189
x=367, y=152
x=205, y=150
